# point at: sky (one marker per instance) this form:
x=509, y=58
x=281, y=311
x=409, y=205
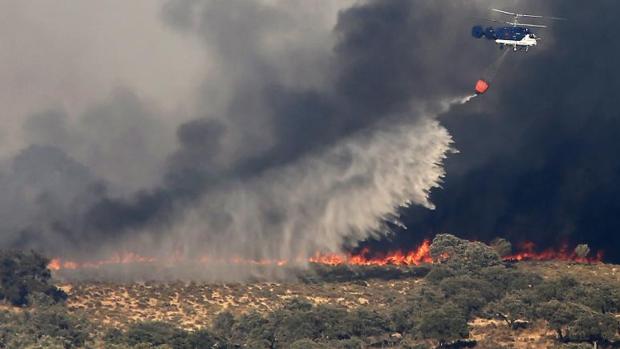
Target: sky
x=273, y=129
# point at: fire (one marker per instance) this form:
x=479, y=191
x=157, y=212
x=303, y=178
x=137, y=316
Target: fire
x=528, y=253
x=416, y=257
x=121, y=258
x=365, y=257
x=54, y=264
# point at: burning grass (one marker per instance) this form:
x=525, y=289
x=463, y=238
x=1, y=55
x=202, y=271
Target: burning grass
x=467, y=296
x=526, y=251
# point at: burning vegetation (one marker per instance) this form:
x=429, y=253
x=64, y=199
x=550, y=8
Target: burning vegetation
x=580, y=254
x=526, y=251
x=466, y=296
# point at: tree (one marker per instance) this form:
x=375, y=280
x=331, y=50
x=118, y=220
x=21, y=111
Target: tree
x=440, y=272
x=502, y=246
x=405, y=317
x=43, y=327
x=445, y=324
x=510, y=309
x=582, y=250
x=301, y=320
x=306, y=344
x=469, y=293
x=223, y=324
x=366, y=323
x=508, y=280
x=25, y=274
x=253, y=327
x=559, y=315
x=592, y=327
x=156, y=333
x=353, y=343
x=559, y=289
x=601, y=297
x=202, y=339
x=463, y=255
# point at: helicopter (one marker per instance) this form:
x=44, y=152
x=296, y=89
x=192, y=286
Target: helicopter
x=519, y=36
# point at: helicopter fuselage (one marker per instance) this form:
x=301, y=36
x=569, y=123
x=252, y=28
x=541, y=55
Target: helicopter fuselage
x=515, y=37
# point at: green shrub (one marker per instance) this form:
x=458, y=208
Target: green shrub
x=558, y=289
x=462, y=255
x=252, y=326
x=559, y=315
x=510, y=309
x=582, y=250
x=601, y=297
x=43, y=325
x=502, y=246
x=352, y=343
x=509, y=280
x=439, y=272
x=25, y=274
x=405, y=317
x=592, y=327
x=306, y=344
x=469, y=293
x=223, y=324
x=300, y=320
x=366, y=323
x=156, y=333
x=444, y=324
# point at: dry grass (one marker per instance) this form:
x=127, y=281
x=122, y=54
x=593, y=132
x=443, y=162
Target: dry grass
x=195, y=305
x=493, y=334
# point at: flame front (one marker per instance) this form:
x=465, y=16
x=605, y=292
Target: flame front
x=121, y=258
x=365, y=257
x=416, y=257
x=527, y=253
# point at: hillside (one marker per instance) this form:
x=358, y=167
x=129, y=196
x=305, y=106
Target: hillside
x=195, y=305
x=466, y=297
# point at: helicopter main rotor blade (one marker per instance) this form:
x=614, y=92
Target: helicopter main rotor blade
x=531, y=25
x=504, y=12
x=529, y=16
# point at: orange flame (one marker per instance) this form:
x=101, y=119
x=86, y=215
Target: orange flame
x=54, y=264
x=528, y=253
x=416, y=257
x=121, y=258
x=364, y=257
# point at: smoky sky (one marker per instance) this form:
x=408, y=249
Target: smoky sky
x=538, y=155
x=311, y=125
x=291, y=129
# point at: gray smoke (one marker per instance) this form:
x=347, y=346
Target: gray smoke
x=310, y=129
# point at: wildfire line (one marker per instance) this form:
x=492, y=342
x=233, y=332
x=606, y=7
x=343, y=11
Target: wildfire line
x=365, y=257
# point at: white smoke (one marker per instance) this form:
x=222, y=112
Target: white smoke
x=321, y=202
x=269, y=70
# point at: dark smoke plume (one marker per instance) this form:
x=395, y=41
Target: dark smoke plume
x=538, y=157
x=304, y=135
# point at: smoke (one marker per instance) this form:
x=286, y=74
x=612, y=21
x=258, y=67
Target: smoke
x=538, y=161
x=310, y=128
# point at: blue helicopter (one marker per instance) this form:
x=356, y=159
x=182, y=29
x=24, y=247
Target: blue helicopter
x=519, y=36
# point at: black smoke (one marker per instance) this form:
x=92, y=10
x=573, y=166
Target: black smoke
x=539, y=154
x=384, y=60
